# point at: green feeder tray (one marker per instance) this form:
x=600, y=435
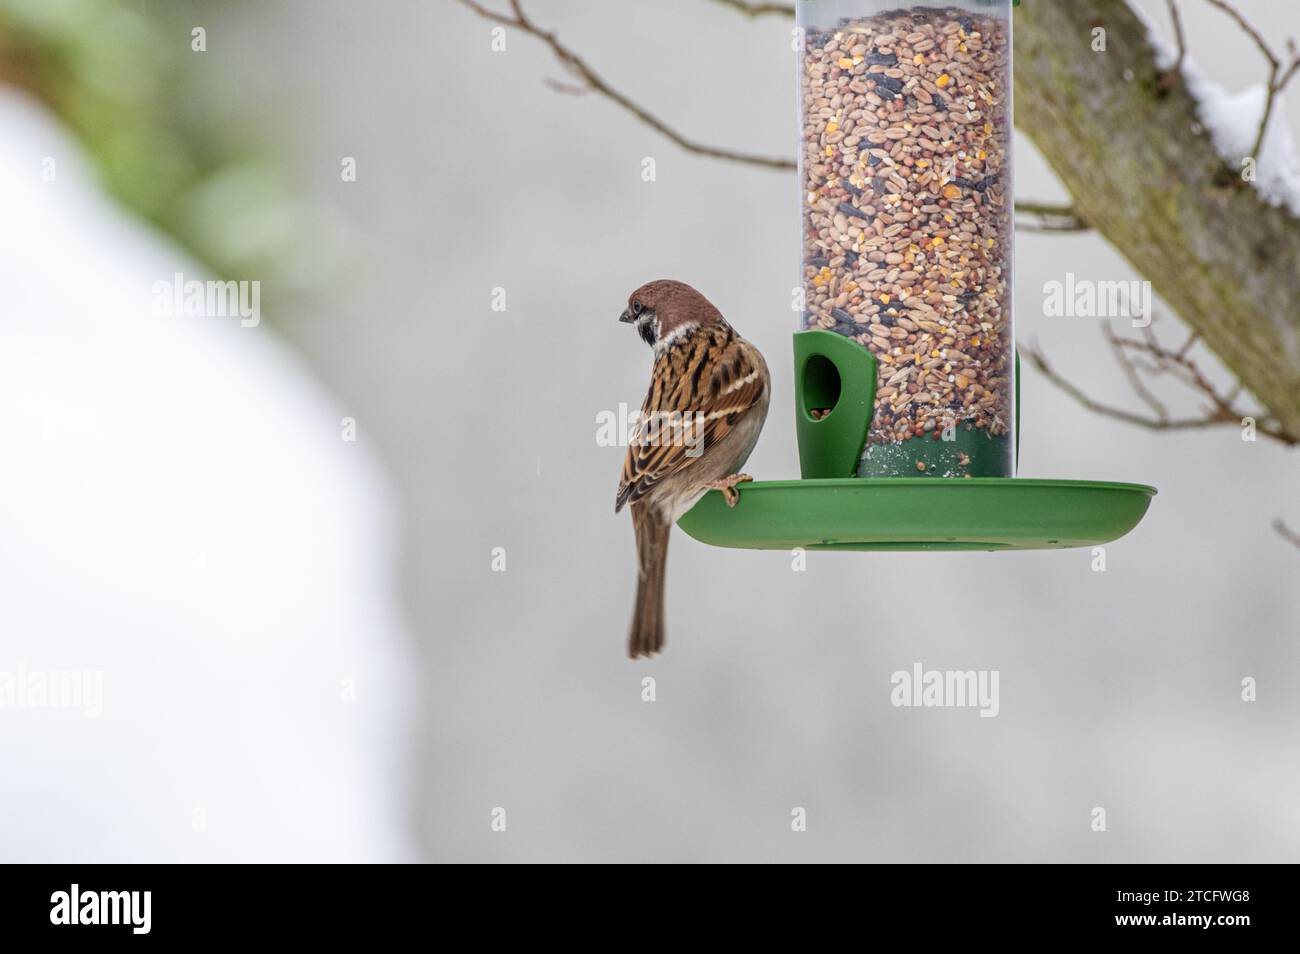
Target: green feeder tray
x=919, y=513
x=831, y=509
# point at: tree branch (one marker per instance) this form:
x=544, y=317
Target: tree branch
x=1179, y=36
x=1286, y=533
x=1222, y=410
x=592, y=81
x=1216, y=251
x=1045, y=217
x=1134, y=376
x=1161, y=422
x=1049, y=218
x=752, y=9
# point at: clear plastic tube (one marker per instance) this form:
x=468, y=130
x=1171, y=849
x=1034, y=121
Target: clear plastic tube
x=905, y=169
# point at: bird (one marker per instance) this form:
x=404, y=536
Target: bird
x=702, y=415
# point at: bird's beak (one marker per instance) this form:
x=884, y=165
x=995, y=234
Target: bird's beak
x=627, y=316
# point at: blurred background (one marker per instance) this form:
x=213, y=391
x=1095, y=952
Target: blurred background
x=308, y=648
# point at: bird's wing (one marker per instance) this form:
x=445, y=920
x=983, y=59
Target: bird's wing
x=700, y=388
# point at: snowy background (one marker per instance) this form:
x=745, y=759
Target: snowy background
x=182, y=514
x=181, y=518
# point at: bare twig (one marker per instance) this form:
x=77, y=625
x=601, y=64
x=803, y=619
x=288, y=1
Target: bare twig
x=1039, y=361
x=1134, y=377
x=1245, y=25
x=1177, y=19
x=1278, y=73
x=568, y=89
x=1290, y=71
x=1187, y=345
x=1045, y=217
x=752, y=9
x=1222, y=410
x=1286, y=533
x=1047, y=228
x=1224, y=407
x=591, y=80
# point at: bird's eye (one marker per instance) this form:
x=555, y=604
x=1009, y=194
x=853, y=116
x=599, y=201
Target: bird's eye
x=637, y=307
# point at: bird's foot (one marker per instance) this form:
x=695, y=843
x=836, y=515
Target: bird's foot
x=728, y=487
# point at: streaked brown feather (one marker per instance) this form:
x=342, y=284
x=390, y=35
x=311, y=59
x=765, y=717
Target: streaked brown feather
x=698, y=374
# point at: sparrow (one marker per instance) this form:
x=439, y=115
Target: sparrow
x=707, y=401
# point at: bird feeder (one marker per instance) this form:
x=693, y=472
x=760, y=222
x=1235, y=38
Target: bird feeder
x=906, y=376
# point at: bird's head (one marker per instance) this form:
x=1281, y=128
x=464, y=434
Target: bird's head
x=665, y=309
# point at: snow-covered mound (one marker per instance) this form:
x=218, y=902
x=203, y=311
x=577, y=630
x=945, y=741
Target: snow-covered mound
x=183, y=527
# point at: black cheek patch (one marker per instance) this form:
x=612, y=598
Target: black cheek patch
x=646, y=329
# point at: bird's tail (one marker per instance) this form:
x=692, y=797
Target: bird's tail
x=647, y=635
